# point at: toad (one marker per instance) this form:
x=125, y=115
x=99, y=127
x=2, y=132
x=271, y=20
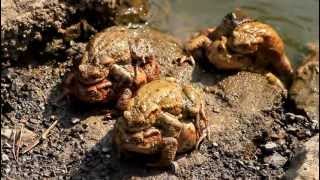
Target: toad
x=118, y=60
x=164, y=117
x=243, y=43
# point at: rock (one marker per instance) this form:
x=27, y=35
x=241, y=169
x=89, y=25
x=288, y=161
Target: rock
x=27, y=22
x=270, y=146
x=276, y=160
x=290, y=116
x=96, y=131
x=106, y=149
x=4, y=157
x=300, y=118
x=34, y=121
x=7, y=169
x=6, y=132
x=242, y=99
x=305, y=88
x=53, y=117
x=75, y=120
x=215, y=144
x=216, y=154
x=305, y=164
x=27, y=137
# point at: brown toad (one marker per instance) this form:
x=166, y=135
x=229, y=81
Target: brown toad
x=242, y=43
x=118, y=60
x=164, y=117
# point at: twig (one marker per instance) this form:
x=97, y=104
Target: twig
x=43, y=137
x=46, y=132
x=19, y=143
x=14, y=142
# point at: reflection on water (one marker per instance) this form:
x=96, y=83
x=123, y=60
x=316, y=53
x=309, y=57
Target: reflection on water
x=296, y=21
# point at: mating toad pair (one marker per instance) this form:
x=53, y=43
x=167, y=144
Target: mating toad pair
x=121, y=65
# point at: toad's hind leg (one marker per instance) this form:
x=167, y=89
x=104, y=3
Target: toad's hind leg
x=168, y=153
x=204, y=132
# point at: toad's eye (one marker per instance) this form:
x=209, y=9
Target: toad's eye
x=95, y=75
x=140, y=123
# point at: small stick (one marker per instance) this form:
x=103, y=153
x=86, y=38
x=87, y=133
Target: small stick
x=46, y=132
x=19, y=142
x=43, y=137
x=14, y=143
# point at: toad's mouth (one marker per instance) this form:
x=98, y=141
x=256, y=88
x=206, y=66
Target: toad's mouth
x=146, y=133
x=143, y=141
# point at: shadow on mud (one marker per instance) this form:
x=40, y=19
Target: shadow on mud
x=103, y=162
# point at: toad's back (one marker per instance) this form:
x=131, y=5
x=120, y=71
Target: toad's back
x=161, y=92
x=114, y=42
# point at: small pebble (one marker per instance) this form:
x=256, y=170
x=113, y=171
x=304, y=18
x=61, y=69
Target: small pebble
x=215, y=144
x=291, y=129
x=53, y=117
x=106, y=149
x=270, y=146
x=33, y=121
x=4, y=157
x=216, y=154
x=315, y=124
x=308, y=133
x=299, y=118
x=290, y=116
x=7, y=169
x=275, y=160
x=6, y=132
x=240, y=162
x=75, y=120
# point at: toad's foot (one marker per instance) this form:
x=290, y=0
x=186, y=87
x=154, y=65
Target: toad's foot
x=205, y=134
x=168, y=153
x=274, y=81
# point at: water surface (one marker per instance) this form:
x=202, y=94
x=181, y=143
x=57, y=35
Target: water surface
x=296, y=21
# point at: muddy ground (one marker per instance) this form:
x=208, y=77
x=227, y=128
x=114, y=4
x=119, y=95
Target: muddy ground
x=255, y=129
x=253, y=132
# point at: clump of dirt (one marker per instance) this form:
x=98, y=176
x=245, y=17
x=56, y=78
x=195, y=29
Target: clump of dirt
x=27, y=26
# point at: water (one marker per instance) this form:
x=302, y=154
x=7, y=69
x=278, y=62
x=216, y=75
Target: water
x=296, y=21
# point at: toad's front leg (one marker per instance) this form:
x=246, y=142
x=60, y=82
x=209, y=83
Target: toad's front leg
x=195, y=47
x=152, y=70
x=169, y=124
x=220, y=56
x=124, y=99
x=200, y=41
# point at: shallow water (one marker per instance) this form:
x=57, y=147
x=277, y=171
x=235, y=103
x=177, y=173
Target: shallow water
x=296, y=21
